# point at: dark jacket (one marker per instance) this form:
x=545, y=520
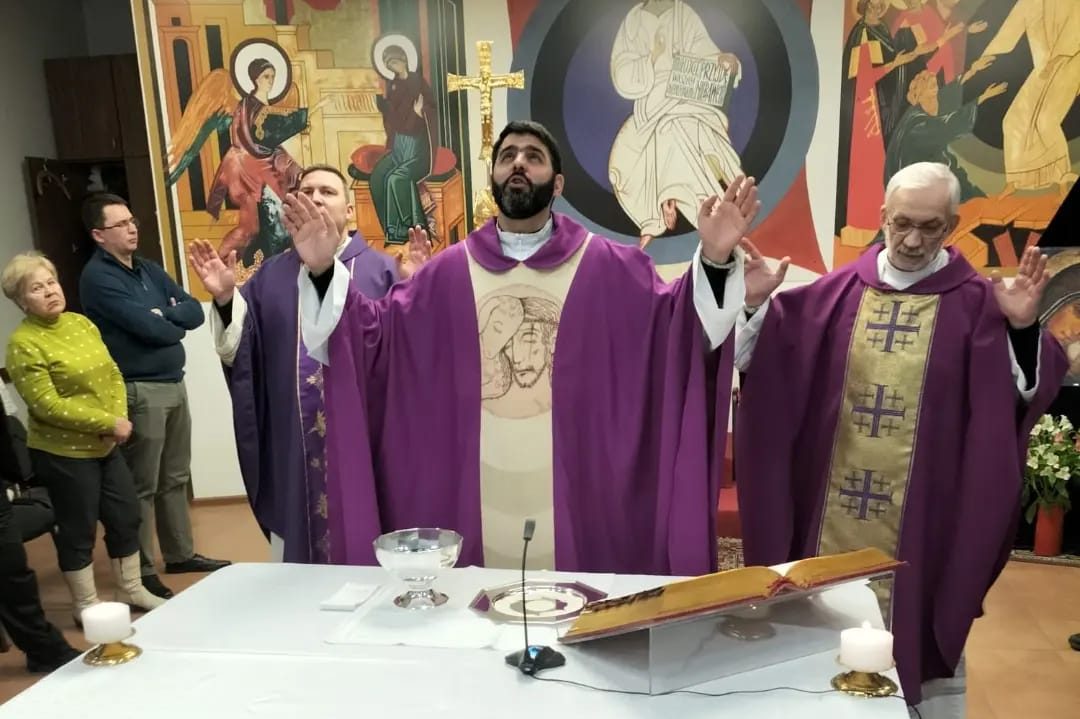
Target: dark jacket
x=120, y=301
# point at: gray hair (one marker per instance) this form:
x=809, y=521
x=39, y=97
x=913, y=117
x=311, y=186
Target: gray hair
x=18, y=270
x=922, y=175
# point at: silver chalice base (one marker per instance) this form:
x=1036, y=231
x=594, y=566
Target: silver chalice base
x=416, y=556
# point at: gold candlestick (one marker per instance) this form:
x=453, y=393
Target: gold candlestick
x=112, y=653
x=864, y=684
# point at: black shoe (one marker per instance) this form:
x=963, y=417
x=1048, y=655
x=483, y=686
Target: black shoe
x=44, y=665
x=1074, y=642
x=197, y=563
x=155, y=587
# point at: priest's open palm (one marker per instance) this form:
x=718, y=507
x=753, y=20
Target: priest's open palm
x=1019, y=301
x=724, y=221
x=314, y=234
x=759, y=280
x=416, y=254
x=218, y=275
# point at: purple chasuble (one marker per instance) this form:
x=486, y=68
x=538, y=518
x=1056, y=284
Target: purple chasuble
x=639, y=409
x=961, y=507
x=278, y=410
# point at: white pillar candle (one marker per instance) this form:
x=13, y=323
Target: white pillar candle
x=106, y=622
x=864, y=649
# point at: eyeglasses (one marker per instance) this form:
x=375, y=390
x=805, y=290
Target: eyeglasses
x=124, y=224
x=931, y=231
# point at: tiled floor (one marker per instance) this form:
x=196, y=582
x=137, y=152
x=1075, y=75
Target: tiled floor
x=1019, y=662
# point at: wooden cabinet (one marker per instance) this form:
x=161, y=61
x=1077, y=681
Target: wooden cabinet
x=140, y=197
x=97, y=108
x=129, y=106
x=101, y=144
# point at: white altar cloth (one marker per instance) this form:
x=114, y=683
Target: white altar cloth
x=251, y=641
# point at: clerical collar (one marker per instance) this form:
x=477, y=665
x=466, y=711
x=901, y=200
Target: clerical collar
x=521, y=246
x=902, y=279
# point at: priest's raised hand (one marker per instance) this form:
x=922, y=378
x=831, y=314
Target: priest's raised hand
x=315, y=236
x=416, y=254
x=760, y=281
x=1019, y=301
x=724, y=221
x=218, y=275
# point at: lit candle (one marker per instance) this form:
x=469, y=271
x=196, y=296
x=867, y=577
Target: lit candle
x=864, y=649
x=106, y=622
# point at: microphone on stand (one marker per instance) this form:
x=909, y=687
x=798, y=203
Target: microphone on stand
x=531, y=659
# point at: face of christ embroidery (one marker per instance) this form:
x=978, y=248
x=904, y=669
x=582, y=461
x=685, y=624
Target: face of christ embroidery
x=876, y=412
x=867, y=493
x=518, y=328
x=892, y=327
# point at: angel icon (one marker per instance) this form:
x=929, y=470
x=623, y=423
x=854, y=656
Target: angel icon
x=256, y=171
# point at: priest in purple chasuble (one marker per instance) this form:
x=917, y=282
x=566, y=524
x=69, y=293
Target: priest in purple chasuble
x=533, y=371
x=888, y=404
x=276, y=387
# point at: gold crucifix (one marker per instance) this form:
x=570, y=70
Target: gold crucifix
x=484, y=204
x=485, y=82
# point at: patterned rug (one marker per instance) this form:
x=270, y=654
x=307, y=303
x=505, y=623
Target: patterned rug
x=1062, y=560
x=728, y=553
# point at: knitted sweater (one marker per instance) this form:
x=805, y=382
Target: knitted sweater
x=71, y=386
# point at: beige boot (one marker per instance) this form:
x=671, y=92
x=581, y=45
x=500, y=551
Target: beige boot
x=129, y=588
x=83, y=591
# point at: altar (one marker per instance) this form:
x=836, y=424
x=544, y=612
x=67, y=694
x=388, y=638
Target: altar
x=251, y=640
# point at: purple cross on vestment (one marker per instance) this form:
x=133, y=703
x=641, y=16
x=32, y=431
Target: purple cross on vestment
x=872, y=419
x=895, y=332
x=862, y=498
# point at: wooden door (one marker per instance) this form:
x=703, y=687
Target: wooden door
x=82, y=101
x=129, y=106
x=56, y=193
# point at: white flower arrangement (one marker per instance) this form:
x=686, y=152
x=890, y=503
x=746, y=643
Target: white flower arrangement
x=1053, y=459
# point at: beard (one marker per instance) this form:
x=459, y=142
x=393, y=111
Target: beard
x=519, y=203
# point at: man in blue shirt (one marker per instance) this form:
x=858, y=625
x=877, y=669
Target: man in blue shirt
x=143, y=315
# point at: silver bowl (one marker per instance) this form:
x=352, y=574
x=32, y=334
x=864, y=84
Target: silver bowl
x=416, y=556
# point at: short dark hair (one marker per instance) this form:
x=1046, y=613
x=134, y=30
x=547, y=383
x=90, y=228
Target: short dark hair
x=93, y=209
x=528, y=127
x=323, y=167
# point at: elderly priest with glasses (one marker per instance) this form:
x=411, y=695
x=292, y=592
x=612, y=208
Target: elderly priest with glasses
x=888, y=405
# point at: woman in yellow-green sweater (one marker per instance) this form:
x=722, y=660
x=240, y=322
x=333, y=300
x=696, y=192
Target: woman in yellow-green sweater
x=78, y=415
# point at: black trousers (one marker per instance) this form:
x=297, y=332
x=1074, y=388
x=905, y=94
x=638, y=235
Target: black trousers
x=83, y=492
x=20, y=605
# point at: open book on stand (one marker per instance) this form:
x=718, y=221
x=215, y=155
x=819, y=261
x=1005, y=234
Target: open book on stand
x=723, y=591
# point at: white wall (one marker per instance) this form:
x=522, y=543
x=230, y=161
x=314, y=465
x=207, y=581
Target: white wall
x=215, y=470
x=108, y=27
x=26, y=39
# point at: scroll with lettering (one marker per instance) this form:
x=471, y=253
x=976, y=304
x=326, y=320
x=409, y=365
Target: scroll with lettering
x=722, y=592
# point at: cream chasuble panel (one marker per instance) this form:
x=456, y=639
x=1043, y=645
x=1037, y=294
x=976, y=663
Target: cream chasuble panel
x=518, y=314
x=877, y=428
